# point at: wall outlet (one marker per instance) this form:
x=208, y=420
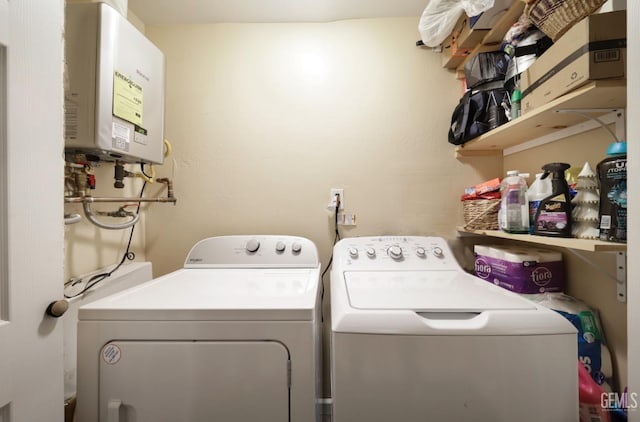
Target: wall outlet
x=332, y=198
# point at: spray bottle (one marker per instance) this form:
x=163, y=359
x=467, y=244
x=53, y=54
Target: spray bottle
x=539, y=189
x=553, y=217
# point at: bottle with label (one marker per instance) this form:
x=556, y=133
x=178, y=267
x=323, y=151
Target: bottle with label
x=514, y=208
x=553, y=217
x=539, y=189
x=612, y=174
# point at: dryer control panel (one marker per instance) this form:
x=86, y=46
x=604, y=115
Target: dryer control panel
x=394, y=253
x=256, y=251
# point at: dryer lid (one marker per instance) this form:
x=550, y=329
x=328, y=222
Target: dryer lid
x=214, y=294
x=442, y=291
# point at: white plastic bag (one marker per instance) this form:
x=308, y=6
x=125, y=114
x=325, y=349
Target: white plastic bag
x=440, y=16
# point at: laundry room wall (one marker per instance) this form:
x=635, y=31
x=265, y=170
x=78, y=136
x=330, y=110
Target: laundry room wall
x=266, y=118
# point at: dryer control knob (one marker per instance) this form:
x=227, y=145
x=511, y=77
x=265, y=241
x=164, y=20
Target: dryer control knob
x=252, y=245
x=437, y=251
x=395, y=252
x=371, y=253
x=280, y=246
x=421, y=252
x=353, y=252
x=296, y=247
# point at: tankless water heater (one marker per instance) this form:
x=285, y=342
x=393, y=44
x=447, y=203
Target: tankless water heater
x=114, y=88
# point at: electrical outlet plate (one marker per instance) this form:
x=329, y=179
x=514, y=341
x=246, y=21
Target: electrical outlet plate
x=346, y=219
x=332, y=198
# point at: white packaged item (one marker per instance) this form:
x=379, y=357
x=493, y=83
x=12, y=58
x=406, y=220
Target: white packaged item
x=440, y=16
x=514, y=209
x=521, y=270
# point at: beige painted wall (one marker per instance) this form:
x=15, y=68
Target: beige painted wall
x=266, y=118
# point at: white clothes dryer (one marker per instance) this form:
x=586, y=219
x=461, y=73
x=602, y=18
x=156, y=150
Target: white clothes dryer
x=415, y=338
x=233, y=336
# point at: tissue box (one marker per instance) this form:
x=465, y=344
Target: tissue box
x=521, y=270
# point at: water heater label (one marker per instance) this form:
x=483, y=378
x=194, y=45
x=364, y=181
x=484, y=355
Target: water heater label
x=127, y=99
x=121, y=137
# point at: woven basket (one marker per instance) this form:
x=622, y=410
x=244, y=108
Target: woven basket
x=555, y=17
x=481, y=214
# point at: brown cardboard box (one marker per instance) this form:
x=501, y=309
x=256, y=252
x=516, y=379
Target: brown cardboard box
x=594, y=48
x=469, y=37
x=452, y=55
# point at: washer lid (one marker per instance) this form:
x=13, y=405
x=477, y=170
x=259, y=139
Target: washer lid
x=214, y=294
x=445, y=291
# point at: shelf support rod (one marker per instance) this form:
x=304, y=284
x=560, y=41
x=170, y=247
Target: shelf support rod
x=621, y=272
x=612, y=116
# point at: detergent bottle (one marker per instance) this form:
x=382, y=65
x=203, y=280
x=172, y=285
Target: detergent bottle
x=553, y=216
x=612, y=174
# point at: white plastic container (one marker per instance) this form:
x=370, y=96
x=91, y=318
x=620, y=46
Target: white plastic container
x=514, y=209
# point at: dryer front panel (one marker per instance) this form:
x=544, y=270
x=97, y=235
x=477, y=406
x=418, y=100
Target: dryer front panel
x=196, y=381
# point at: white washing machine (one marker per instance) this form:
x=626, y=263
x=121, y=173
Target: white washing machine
x=415, y=338
x=233, y=336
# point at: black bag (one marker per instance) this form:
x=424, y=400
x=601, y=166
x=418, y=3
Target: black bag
x=486, y=67
x=478, y=112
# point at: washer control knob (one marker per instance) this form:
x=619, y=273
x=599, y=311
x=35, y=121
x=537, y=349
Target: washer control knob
x=353, y=252
x=296, y=247
x=252, y=245
x=421, y=252
x=395, y=252
x=437, y=251
x=371, y=253
x=280, y=246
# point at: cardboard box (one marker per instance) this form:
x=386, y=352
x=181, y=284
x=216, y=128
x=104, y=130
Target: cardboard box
x=594, y=48
x=452, y=55
x=468, y=37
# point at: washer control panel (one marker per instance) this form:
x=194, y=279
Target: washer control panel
x=394, y=252
x=259, y=251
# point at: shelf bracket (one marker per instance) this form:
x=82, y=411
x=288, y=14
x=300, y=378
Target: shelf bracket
x=621, y=272
x=621, y=276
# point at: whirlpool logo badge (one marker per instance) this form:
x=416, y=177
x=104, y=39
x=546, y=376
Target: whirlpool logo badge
x=483, y=269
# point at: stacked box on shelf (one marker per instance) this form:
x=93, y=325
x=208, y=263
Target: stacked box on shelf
x=594, y=48
x=521, y=270
x=460, y=42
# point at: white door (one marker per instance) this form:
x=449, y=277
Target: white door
x=195, y=381
x=31, y=210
